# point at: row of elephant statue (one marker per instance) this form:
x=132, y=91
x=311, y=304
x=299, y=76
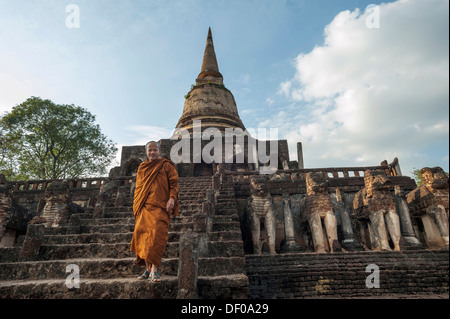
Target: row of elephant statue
x=378, y=219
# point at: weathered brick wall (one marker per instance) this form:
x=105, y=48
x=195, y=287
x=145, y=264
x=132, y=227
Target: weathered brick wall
x=310, y=275
x=129, y=151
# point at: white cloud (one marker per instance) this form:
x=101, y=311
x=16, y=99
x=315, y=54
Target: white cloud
x=285, y=87
x=141, y=134
x=373, y=93
x=269, y=101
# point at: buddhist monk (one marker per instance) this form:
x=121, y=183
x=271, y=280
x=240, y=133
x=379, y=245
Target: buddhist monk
x=155, y=200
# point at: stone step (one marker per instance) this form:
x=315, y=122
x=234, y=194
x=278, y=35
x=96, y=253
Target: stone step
x=196, y=191
x=226, y=235
x=106, y=268
x=227, y=196
x=93, y=250
x=110, y=214
x=61, y=230
x=122, y=250
x=193, y=206
x=188, y=201
x=120, y=209
x=209, y=287
x=186, y=211
x=192, y=181
x=101, y=238
x=226, y=199
x=187, y=193
x=107, y=221
x=226, y=211
x=224, y=226
x=119, y=220
x=108, y=228
x=186, y=181
x=117, y=288
x=8, y=254
x=110, y=238
x=123, y=225
x=194, y=195
x=194, y=184
x=109, y=217
x=207, y=182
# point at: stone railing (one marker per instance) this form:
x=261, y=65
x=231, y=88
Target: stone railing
x=81, y=183
x=330, y=172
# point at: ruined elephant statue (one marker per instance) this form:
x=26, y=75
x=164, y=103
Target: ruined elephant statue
x=375, y=206
x=261, y=208
x=429, y=204
x=317, y=208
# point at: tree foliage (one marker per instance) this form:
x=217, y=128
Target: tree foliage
x=417, y=175
x=43, y=140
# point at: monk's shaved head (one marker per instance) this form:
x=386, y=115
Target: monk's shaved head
x=157, y=144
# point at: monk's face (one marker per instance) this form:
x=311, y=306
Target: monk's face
x=152, y=151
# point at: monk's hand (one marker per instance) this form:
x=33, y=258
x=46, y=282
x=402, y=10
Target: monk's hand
x=170, y=204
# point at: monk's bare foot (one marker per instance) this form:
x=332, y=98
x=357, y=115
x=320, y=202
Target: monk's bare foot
x=156, y=277
x=145, y=275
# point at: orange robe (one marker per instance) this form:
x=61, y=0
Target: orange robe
x=156, y=182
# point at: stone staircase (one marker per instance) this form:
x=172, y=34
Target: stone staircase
x=99, y=248
x=409, y=273
x=226, y=269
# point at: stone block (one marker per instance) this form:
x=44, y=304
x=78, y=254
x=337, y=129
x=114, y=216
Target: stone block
x=33, y=241
x=188, y=267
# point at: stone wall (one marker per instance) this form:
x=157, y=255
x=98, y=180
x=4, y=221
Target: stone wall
x=347, y=275
x=27, y=199
x=195, y=164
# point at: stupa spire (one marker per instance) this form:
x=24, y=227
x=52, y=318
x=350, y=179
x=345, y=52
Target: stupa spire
x=210, y=68
x=209, y=101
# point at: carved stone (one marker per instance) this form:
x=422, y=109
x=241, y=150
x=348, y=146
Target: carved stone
x=289, y=243
x=106, y=197
x=121, y=196
x=317, y=205
x=58, y=205
x=375, y=206
x=261, y=208
x=406, y=227
x=428, y=203
x=32, y=243
x=188, y=266
x=349, y=241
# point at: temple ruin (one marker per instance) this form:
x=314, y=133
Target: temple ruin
x=253, y=222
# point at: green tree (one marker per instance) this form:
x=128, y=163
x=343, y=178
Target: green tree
x=44, y=140
x=417, y=175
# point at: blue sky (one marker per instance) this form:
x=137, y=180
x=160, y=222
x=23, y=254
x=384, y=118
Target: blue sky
x=353, y=95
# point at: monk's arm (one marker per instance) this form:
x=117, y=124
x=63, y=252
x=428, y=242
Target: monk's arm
x=172, y=176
